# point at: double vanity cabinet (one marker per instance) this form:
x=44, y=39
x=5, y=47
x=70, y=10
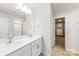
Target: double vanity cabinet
x=24, y=46
x=33, y=48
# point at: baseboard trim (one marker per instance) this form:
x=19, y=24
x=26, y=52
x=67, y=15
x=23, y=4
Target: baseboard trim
x=41, y=54
x=71, y=50
x=46, y=54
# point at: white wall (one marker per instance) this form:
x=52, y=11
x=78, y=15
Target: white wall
x=42, y=25
x=71, y=28
x=39, y=22
x=30, y=24
x=52, y=26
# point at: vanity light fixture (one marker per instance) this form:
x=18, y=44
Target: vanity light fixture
x=24, y=8
x=18, y=22
x=28, y=12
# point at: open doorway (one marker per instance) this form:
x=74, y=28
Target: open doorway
x=60, y=32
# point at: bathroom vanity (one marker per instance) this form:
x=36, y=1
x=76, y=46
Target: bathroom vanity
x=28, y=46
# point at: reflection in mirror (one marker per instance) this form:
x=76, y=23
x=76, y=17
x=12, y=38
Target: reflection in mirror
x=19, y=27
x=22, y=26
x=13, y=20
x=4, y=29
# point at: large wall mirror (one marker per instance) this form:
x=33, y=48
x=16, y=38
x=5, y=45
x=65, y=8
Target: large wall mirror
x=20, y=27
x=15, y=21
x=4, y=27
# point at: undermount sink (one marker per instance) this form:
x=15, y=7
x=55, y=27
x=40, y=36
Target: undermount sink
x=21, y=39
x=16, y=43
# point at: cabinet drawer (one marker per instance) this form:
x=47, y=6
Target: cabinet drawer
x=36, y=47
x=24, y=51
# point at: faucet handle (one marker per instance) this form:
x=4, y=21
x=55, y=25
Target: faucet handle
x=30, y=35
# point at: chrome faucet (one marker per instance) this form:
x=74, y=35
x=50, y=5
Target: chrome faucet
x=30, y=35
x=10, y=40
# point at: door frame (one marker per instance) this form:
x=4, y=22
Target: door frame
x=63, y=33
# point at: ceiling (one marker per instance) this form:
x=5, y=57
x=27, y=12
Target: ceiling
x=57, y=7
x=10, y=8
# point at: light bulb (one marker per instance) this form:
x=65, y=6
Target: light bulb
x=25, y=7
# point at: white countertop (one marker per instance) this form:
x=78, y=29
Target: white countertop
x=9, y=48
